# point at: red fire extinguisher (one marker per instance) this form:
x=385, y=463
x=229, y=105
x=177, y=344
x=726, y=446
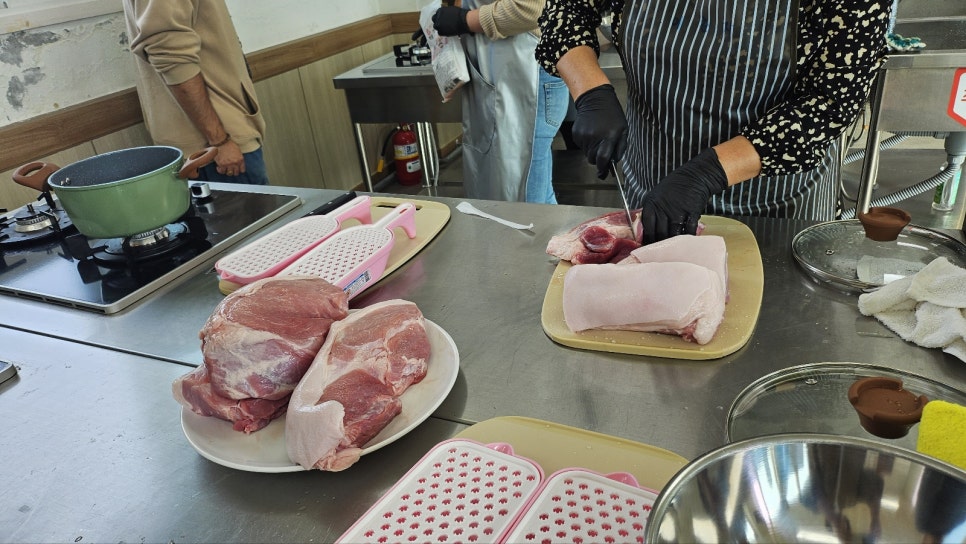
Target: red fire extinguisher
x=406, y=152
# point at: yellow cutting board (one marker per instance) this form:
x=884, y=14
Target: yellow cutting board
x=745, y=284
x=430, y=216
x=554, y=447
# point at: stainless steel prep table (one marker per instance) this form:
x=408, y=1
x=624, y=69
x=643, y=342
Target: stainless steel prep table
x=484, y=283
x=93, y=452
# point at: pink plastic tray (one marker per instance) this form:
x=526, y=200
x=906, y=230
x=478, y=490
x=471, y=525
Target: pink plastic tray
x=581, y=506
x=356, y=257
x=271, y=253
x=461, y=491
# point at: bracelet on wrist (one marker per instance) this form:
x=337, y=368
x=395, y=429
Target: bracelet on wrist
x=222, y=142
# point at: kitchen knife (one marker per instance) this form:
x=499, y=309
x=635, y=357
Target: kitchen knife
x=619, y=176
x=332, y=204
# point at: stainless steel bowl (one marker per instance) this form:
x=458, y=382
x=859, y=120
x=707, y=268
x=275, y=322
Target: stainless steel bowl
x=811, y=488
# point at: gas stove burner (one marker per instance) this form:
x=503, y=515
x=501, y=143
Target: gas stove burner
x=412, y=55
x=153, y=237
x=166, y=242
x=34, y=224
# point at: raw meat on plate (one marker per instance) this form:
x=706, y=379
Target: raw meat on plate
x=193, y=390
x=678, y=298
x=257, y=345
x=603, y=239
x=262, y=338
x=351, y=391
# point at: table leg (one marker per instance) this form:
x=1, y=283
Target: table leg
x=870, y=167
x=429, y=154
x=361, y=146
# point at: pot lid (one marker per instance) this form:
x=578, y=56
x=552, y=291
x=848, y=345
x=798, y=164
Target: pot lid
x=839, y=252
x=815, y=398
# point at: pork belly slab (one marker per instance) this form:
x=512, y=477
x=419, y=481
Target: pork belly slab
x=678, y=298
x=351, y=391
x=707, y=250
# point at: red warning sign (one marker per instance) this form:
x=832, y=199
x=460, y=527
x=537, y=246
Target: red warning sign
x=957, y=100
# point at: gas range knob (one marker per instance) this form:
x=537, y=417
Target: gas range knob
x=200, y=190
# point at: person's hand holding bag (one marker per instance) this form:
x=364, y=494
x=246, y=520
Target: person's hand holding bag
x=600, y=128
x=451, y=21
x=675, y=205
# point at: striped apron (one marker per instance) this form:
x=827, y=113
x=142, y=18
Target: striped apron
x=704, y=69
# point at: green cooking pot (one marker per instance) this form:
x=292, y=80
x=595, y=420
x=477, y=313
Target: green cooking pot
x=120, y=193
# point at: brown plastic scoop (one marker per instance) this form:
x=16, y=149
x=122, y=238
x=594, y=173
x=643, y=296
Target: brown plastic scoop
x=886, y=409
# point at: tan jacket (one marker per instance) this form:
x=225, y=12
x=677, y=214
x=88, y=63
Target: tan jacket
x=504, y=18
x=175, y=40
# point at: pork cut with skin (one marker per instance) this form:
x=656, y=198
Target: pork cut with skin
x=603, y=239
x=351, y=391
x=260, y=339
x=677, y=298
x=706, y=250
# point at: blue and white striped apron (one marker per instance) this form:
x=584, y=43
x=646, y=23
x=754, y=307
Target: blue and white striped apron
x=702, y=70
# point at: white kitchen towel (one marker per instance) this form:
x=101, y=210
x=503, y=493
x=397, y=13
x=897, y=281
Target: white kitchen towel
x=925, y=308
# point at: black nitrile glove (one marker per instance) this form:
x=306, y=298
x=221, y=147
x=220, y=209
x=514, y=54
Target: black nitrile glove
x=451, y=21
x=419, y=38
x=675, y=205
x=600, y=128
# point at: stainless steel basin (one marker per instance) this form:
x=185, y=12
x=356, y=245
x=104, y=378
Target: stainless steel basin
x=811, y=488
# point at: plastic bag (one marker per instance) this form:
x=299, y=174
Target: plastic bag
x=448, y=57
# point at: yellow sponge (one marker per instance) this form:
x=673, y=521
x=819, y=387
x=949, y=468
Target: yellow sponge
x=942, y=432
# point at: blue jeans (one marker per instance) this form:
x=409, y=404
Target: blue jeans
x=552, y=102
x=255, y=173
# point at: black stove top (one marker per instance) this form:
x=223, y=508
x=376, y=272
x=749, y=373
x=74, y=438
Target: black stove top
x=42, y=256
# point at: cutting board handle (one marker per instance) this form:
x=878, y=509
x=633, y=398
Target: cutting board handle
x=403, y=215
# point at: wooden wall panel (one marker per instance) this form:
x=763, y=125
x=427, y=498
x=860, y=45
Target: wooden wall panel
x=135, y=136
x=329, y=118
x=13, y=195
x=289, y=142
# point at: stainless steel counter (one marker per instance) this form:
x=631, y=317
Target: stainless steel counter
x=95, y=432
x=93, y=452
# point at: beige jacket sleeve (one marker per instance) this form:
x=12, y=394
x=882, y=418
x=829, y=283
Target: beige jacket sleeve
x=504, y=18
x=164, y=35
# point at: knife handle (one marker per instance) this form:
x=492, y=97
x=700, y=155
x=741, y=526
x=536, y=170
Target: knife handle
x=332, y=204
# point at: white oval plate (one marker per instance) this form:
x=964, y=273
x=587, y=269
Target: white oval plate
x=264, y=450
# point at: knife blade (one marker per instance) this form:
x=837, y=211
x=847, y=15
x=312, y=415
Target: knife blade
x=332, y=204
x=619, y=176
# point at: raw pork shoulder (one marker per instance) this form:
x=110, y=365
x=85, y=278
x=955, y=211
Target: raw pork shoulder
x=193, y=390
x=351, y=391
x=672, y=298
x=602, y=239
x=707, y=250
x=257, y=345
x=261, y=339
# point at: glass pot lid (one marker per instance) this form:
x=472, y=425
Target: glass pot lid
x=839, y=252
x=814, y=398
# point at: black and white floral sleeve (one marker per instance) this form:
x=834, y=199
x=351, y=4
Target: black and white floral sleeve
x=841, y=46
x=566, y=24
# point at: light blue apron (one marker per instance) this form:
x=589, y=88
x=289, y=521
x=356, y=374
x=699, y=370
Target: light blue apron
x=499, y=108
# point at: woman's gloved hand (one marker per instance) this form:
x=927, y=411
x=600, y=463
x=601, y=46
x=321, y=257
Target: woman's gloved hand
x=675, y=205
x=451, y=21
x=600, y=128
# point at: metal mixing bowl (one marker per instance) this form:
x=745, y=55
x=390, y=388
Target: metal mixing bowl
x=811, y=488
